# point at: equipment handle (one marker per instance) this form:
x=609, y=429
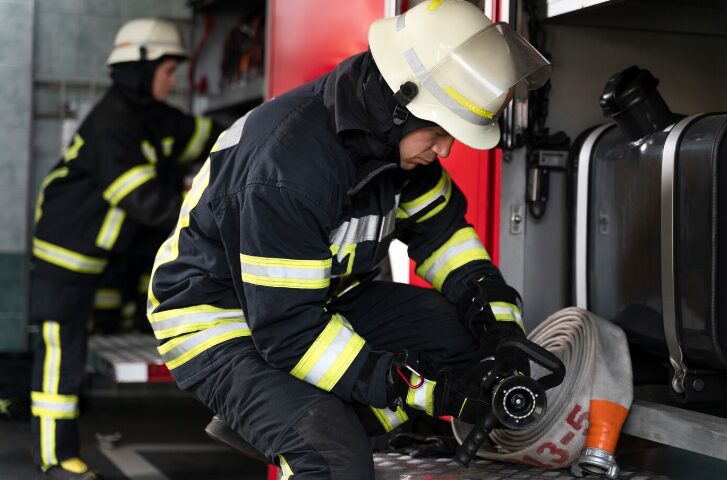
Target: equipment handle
x=537, y=354
x=475, y=438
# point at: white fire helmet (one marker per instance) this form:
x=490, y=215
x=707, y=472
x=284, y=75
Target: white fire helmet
x=147, y=39
x=456, y=66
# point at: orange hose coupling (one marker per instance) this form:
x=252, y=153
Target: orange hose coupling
x=597, y=457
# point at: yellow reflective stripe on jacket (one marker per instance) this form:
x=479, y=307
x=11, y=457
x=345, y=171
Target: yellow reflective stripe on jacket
x=507, y=312
x=167, y=146
x=421, y=398
x=286, y=272
x=54, y=405
x=68, y=259
x=128, y=182
x=175, y=322
x=180, y=350
x=330, y=355
x=285, y=471
x=110, y=228
x=107, y=299
x=55, y=174
x=72, y=151
x=443, y=188
x=462, y=247
x=388, y=419
x=169, y=250
x=149, y=152
x=202, y=131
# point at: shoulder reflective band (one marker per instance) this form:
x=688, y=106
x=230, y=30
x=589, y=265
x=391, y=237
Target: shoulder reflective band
x=72, y=150
x=330, y=355
x=285, y=272
x=171, y=323
x=110, y=228
x=231, y=136
x=443, y=188
x=128, y=182
x=388, y=419
x=170, y=248
x=507, y=312
x=180, y=350
x=463, y=247
x=202, y=130
x=64, y=258
x=149, y=152
x=57, y=173
x=53, y=405
x=421, y=398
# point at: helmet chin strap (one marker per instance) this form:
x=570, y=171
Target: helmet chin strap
x=406, y=93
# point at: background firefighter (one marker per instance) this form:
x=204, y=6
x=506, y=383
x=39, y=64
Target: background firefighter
x=117, y=185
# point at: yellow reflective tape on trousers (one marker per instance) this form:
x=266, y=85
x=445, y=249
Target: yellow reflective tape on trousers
x=55, y=406
x=463, y=247
x=110, y=228
x=286, y=272
x=180, y=350
x=52, y=356
x=330, y=355
x=72, y=151
x=68, y=259
x=507, y=312
x=175, y=322
x=421, y=398
x=202, y=130
x=128, y=182
x=169, y=250
x=443, y=188
x=388, y=419
x=57, y=173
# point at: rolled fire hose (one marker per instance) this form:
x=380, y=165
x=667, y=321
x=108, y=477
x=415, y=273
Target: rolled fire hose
x=586, y=412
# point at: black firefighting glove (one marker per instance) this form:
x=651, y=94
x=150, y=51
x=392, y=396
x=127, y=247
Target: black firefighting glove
x=416, y=383
x=491, y=310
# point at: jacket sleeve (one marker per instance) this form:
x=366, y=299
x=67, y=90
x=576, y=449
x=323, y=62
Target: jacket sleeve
x=285, y=261
x=192, y=137
x=129, y=182
x=447, y=251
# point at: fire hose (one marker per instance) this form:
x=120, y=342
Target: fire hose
x=585, y=412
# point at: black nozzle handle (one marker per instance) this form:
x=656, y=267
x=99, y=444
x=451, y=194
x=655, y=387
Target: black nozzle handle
x=539, y=355
x=480, y=430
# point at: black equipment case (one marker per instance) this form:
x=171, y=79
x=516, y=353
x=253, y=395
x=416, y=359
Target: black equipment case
x=651, y=231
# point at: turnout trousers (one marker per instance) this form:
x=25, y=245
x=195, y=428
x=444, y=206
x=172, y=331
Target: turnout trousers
x=311, y=433
x=60, y=310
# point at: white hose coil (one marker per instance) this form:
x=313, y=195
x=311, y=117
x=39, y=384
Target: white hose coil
x=598, y=365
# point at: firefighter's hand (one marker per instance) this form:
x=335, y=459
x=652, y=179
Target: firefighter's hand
x=459, y=393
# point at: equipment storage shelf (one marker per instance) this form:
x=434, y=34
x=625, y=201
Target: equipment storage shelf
x=227, y=69
x=700, y=17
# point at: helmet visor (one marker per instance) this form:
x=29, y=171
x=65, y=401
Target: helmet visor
x=474, y=80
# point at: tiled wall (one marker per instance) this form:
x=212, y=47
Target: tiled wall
x=52, y=69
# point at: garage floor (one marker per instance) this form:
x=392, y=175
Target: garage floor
x=160, y=436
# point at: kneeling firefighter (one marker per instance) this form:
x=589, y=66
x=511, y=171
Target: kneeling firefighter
x=117, y=185
x=263, y=299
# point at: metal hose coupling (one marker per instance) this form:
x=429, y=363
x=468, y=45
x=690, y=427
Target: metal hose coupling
x=595, y=461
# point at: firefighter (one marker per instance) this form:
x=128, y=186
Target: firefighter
x=118, y=184
x=263, y=299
